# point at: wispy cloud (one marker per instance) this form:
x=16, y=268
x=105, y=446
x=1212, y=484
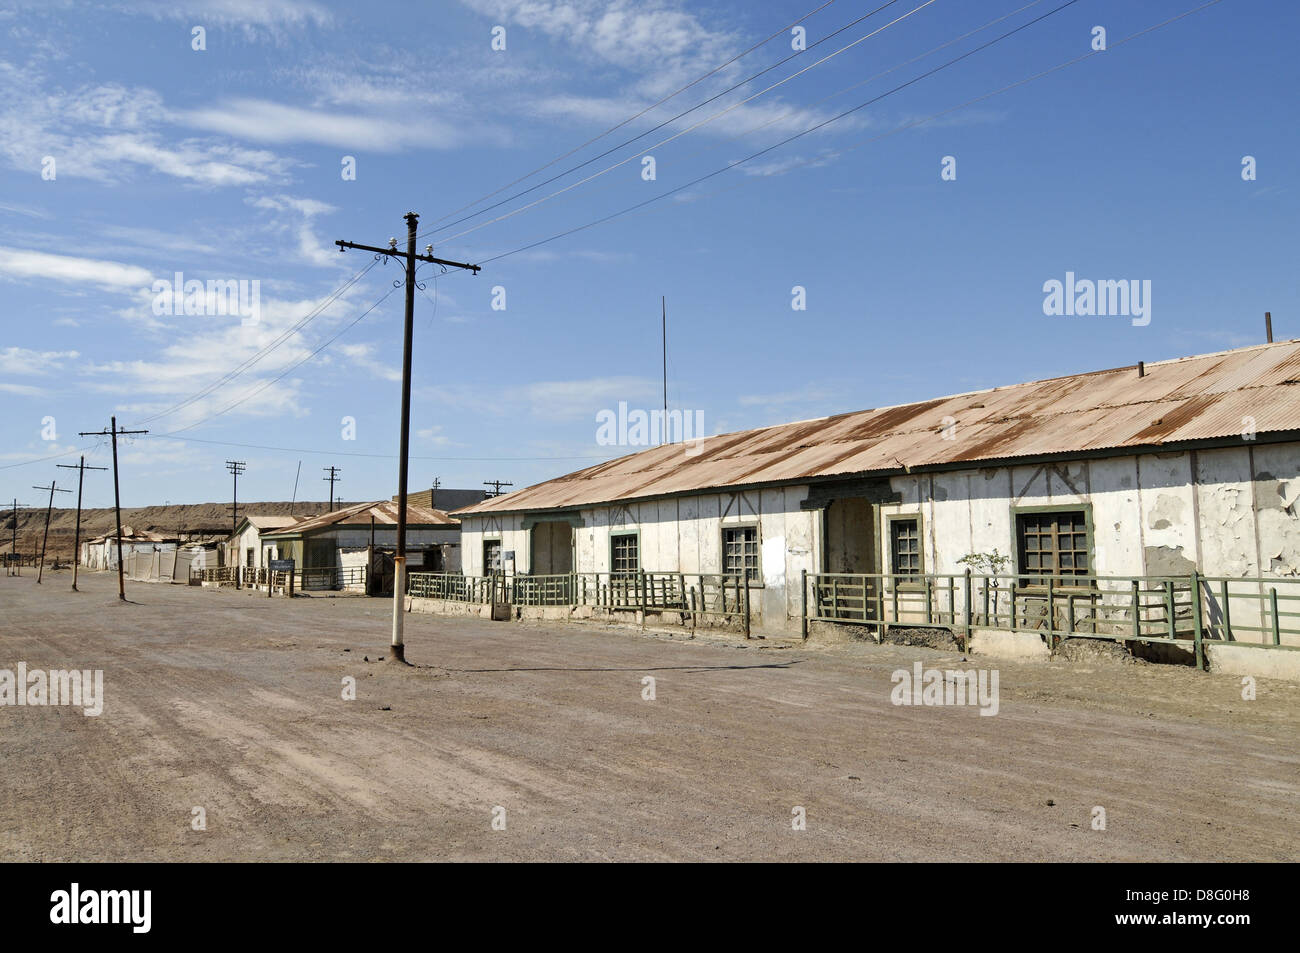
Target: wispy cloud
x=265, y=121
x=18, y=360
x=21, y=263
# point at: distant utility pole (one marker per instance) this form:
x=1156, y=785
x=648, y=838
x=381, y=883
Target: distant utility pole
x=236, y=467
x=332, y=479
x=496, y=486
x=48, y=510
x=81, y=469
x=13, y=547
x=117, y=496
x=433, y=493
x=410, y=257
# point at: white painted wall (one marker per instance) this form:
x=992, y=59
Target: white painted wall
x=1228, y=512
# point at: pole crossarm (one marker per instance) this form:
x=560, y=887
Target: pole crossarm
x=392, y=252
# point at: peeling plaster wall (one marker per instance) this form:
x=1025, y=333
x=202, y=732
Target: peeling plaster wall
x=1228, y=512
x=1153, y=514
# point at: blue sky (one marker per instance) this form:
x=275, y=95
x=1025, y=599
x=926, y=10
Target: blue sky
x=226, y=163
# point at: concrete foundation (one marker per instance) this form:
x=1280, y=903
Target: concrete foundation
x=1012, y=645
x=1251, y=660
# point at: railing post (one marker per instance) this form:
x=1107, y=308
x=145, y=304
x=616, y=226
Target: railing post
x=1227, y=615
x=803, y=603
x=880, y=603
x=1197, y=635
x=1169, y=608
x=1012, y=616
x=1051, y=610
x=967, y=611
x=1277, y=628
x=929, y=600
x=1137, y=609
x=693, y=609
x=746, y=574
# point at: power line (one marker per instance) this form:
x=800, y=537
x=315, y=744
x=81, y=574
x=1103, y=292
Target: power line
x=806, y=108
x=783, y=142
x=636, y=116
x=376, y=456
x=289, y=370
x=863, y=82
x=268, y=348
x=656, y=128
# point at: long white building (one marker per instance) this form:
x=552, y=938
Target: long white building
x=1155, y=470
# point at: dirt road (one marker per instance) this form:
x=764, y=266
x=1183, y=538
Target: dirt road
x=232, y=703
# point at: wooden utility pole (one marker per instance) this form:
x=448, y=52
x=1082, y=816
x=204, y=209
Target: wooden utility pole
x=81, y=469
x=410, y=258
x=117, y=496
x=496, y=486
x=433, y=494
x=48, y=510
x=13, y=547
x=236, y=467
x=331, y=479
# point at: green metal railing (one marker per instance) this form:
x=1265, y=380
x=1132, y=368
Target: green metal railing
x=330, y=577
x=1152, y=609
x=1266, y=608
x=698, y=597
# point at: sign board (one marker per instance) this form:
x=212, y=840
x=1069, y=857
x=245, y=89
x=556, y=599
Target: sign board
x=13, y=557
x=508, y=555
x=281, y=565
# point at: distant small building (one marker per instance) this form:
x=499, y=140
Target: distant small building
x=101, y=552
x=333, y=550
x=245, y=547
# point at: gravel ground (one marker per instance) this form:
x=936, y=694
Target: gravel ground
x=232, y=702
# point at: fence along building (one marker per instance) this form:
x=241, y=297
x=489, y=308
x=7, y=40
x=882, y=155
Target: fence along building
x=1179, y=466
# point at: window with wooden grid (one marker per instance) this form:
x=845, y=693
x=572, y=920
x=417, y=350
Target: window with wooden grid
x=1053, y=544
x=905, y=546
x=740, y=551
x=625, y=556
x=491, y=556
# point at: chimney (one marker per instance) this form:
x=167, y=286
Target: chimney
x=1268, y=325
x=1142, y=369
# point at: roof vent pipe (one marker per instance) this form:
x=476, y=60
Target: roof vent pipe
x=1268, y=325
x=1142, y=369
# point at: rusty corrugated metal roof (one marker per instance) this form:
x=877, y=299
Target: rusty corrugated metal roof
x=1203, y=397
x=263, y=521
x=384, y=513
